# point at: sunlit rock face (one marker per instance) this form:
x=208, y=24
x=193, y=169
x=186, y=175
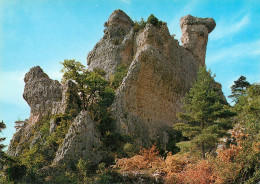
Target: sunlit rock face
x=195, y=33
x=46, y=97
x=82, y=141
x=116, y=46
x=161, y=72
x=41, y=93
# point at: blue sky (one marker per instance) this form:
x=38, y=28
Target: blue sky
x=45, y=32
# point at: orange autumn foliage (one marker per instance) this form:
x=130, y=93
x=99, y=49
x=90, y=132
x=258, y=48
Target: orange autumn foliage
x=227, y=167
x=147, y=159
x=201, y=172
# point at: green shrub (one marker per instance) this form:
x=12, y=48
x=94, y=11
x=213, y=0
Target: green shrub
x=139, y=25
x=99, y=71
x=62, y=178
x=108, y=177
x=130, y=149
x=119, y=75
x=16, y=172
x=154, y=21
x=85, y=168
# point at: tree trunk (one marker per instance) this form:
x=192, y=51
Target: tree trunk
x=202, y=144
x=202, y=149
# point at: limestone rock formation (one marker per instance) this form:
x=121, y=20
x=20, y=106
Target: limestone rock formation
x=116, y=46
x=195, y=35
x=145, y=107
x=81, y=141
x=41, y=93
x=161, y=72
x=150, y=95
x=45, y=97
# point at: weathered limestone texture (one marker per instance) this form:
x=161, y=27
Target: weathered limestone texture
x=116, y=46
x=45, y=97
x=81, y=141
x=195, y=35
x=161, y=72
x=41, y=93
x=150, y=95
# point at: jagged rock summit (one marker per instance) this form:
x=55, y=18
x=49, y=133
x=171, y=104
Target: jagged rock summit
x=160, y=73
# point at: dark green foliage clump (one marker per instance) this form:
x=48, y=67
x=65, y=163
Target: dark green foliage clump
x=206, y=115
x=16, y=172
x=154, y=21
x=139, y=25
x=239, y=88
x=2, y=153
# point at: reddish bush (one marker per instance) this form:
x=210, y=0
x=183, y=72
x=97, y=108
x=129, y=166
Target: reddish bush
x=201, y=172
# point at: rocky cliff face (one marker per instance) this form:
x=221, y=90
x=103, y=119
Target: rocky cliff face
x=160, y=73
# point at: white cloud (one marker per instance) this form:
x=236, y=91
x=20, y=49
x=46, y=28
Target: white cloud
x=245, y=49
x=224, y=28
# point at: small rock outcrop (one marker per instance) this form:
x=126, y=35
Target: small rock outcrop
x=195, y=33
x=81, y=141
x=41, y=93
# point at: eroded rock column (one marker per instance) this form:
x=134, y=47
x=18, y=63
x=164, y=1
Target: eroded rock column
x=195, y=33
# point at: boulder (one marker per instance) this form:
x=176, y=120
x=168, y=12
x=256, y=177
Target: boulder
x=82, y=141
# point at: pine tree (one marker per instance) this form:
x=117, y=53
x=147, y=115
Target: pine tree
x=2, y=153
x=239, y=88
x=205, y=111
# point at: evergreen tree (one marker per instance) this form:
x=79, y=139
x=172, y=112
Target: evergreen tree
x=2, y=153
x=239, y=88
x=205, y=111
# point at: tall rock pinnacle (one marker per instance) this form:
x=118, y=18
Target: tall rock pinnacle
x=41, y=93
x=195, y=33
